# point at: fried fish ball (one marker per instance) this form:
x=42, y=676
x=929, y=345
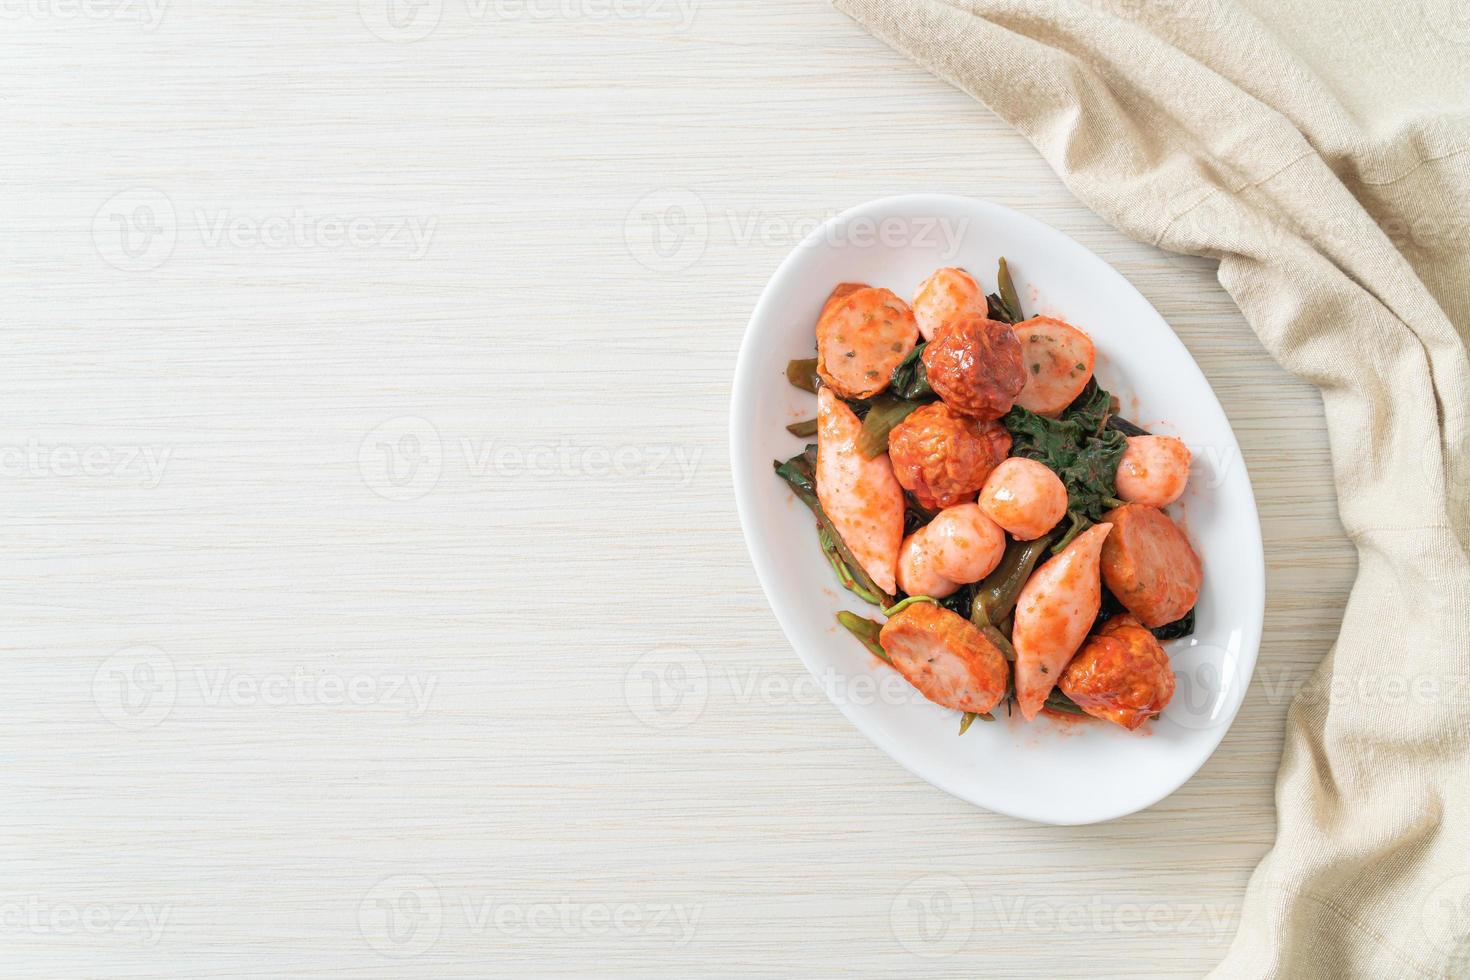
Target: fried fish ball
x=1121, y=674
x=946, y=295
x=1154, y=470
x=961, y=545
x=942, y=457
x=974, y=364
x=1025, y=497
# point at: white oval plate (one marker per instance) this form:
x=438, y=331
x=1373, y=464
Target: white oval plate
x=1051, y=771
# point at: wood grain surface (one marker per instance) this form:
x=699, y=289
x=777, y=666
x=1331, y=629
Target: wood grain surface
x=374, y=599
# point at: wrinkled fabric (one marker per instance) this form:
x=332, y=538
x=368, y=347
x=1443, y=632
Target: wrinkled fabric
x=1330, y=176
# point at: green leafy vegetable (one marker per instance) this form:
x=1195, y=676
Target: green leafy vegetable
x=911, y=379
x=803, y=374
x=1110, y=607
x=1078, y=446
x=884, y=414
x=1180, y=628
x=801, y=473
x=959, y=601
x=865, y=630
x=996, y=310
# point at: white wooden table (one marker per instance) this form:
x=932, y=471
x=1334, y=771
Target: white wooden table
x=364, y=467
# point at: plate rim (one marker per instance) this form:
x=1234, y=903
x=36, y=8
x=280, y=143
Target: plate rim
x=739, y=429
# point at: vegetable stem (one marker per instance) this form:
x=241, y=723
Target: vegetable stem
x=1001, y=641
x=900, y=607
x=882, y=418
x=1008, y=292
x=866, y=630
x=805, y=429
x=997, y=593
x=1057, y=701
x=803, y=374
x=801, y=473
x=1079, y=524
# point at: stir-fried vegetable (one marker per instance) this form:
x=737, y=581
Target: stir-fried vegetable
x=884, y=414
x=997, y=594
x=968, y=719
x=865, y=630
x=1077, y=447
x=1005, y=305
x=910, y=379
x=1057, y=701
x=1176, y=630
x=803, y=374
x=805, y=429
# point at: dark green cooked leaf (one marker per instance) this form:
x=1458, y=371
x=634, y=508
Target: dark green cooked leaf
x=1077, y=446
x=910, y=379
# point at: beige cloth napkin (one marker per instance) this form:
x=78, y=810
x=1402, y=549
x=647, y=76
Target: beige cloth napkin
x=1330, y=176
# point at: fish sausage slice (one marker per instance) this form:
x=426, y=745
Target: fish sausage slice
x=1149, y=565
x=1058, y=359
x=946, y=657
x=1053, y=614
x=861, y=496
x=861, y=338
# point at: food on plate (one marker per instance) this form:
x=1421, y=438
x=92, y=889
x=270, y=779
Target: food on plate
x=1057, y=607
x=948, y=659
x=1154, y=470
x=961, y=545
x=1058, y=360
x=861, y=337
x=946, y=295
x=944, y=458
x=1079, y=446
x=1121, y=674
x=974, y=365
x=1149, y=564
x=979, y=488
x=861, y=496
x=1025, y=497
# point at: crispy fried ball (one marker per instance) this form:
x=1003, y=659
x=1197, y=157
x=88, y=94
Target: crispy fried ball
x=1121, y=674
x=974, y=364
x=942, y=457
